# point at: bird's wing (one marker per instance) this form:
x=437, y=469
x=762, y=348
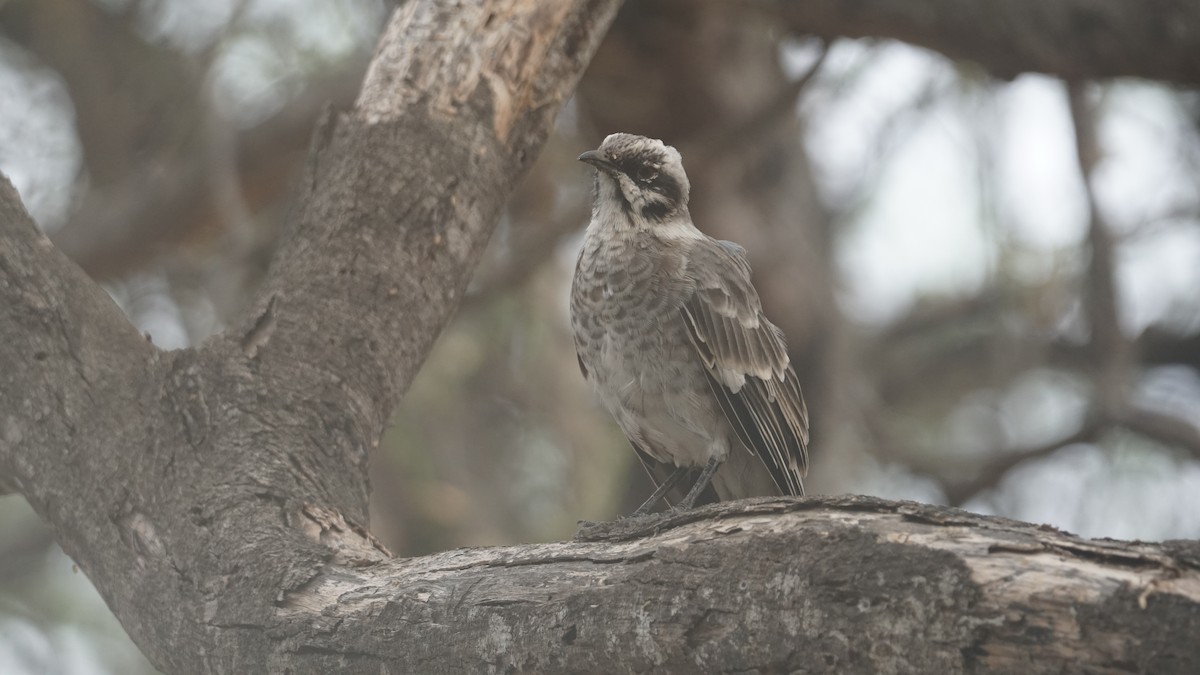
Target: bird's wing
x=747, y=361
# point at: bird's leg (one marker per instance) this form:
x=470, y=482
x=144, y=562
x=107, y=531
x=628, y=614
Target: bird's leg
x=658, y=493
x=701, y=482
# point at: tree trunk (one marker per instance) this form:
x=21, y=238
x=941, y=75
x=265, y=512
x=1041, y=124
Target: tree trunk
x=216, y=495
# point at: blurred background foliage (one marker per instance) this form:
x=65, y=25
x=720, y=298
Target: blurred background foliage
x=989, y=286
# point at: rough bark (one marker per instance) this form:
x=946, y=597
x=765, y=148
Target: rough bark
x=216, y=495
x=824, y=585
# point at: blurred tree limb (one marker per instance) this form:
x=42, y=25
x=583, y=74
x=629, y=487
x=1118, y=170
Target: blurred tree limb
x=147, y=132
x=1072, y=39
x=216, y=495
x=141, y=114
x=1107, y=358
x=1111, y=353
x=962, y=481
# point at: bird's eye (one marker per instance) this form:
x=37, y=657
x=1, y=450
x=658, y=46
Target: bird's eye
x=645, y=174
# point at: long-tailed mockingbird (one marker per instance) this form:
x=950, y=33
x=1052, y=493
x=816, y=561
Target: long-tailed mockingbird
x=670, y=332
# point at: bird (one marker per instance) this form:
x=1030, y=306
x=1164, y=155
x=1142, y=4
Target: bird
x=671, y=334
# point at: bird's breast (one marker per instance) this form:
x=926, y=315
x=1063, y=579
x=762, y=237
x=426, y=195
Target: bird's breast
x=624, y=313
x=620, y=279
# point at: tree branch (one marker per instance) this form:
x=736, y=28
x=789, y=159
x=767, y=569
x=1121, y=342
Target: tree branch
x=992, y=471
x=1162, y=427
x=1073, y=39
x=828, y=585
x=147, y=135
x=61, y=340
x=125, y=226
x=1110, y=350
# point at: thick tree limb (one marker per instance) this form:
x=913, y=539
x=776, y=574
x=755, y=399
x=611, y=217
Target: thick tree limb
x=837, y=585
x=1073, y=39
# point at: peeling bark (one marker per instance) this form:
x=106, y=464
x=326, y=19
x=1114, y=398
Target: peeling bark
x=826, y=585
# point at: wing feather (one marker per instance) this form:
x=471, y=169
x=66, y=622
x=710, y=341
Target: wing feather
x=746, y=357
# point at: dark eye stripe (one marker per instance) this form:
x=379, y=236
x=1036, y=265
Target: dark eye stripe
x=660, y=182
x=630, y=166
x=667, y=187
x=663, y=184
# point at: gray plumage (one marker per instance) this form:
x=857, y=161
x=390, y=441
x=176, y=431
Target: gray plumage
x=671, y=334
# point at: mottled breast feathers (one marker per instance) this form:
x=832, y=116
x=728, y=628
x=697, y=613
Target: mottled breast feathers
x=747, y=361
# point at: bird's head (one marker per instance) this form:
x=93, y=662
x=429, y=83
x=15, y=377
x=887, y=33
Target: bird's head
x=643, y=177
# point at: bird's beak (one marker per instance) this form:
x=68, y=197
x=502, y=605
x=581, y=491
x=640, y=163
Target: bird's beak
x=598, y=160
